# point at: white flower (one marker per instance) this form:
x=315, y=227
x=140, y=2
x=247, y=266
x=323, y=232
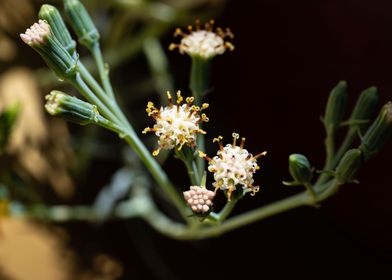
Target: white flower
x=199, y=199
x=36, y=34
x=233, y=166
x=203, y=43
x=176, y=124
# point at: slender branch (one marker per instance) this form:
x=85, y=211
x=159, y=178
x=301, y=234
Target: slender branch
x=82, y=87
x=143, y=206
x=102, y=69
x=127, y=132
x=330, y=153
x=156, y=171
x=225, y=212
x=199, y=80
x=192, y=172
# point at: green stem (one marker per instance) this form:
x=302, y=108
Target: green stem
x=225, y=212
x=311, y=191
x=351, y=135
x=90, y=80
x=109, y=102
x=200, y=76
x=177, y=231
x=102, y=69
x=192, y=172
x=330, y=148
x=109, y=125
x=144, y=207
x=82, y=87
x=329, y=143
x=127, y=132
x=199, y=82
x=156, y=170
x=200, y=162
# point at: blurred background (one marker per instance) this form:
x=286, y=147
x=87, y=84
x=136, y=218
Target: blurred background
x=271, y=89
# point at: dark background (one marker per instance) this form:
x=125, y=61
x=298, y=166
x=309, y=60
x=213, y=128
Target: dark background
x=272, y=89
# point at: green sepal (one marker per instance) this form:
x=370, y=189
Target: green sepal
x=348, y=166
x=53, y=17
x=57, y=57
x=71, y=108
x=300, y=169
x=378, y=133
x=336, y=107
x=364, y=110
x=81, y=23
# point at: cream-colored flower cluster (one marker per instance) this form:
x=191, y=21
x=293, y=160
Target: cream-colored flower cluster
x=177, y=124
x=204, y=43
x=199, y=199
x=36, y=33
x=233, y=166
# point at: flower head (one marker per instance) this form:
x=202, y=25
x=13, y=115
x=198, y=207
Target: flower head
x=53, y=17
x=204, y=43
x=71, y=108
x=199, y=199
x=176, y=124
x=36, y=34
x=233, y=166
x=40, y=37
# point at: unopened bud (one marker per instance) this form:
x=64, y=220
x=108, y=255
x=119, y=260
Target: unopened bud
x=336, y=107
x=199, y=199
x=40, y=37
x=81, y=23
x=378, y=133
x=300, y=169
x=364, y=109
x=72, y=109
x=52, y=16
x=348, y=166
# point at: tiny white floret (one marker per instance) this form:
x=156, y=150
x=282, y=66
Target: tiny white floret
x=36, y=34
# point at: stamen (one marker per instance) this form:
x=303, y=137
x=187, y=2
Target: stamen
x=204, y=118
x=229, y=46
x=179, y=97
x=169, y=97
x=235, y=137
x=209, y=26
x=173, y=46
x=260, y=155
x=178, y=32
x=255, y=189
x=148, y=129
x=204, y=155
x=229, y=33
x=242, y=142
x=189, y=100
x=197, y=24
x=219, y=140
